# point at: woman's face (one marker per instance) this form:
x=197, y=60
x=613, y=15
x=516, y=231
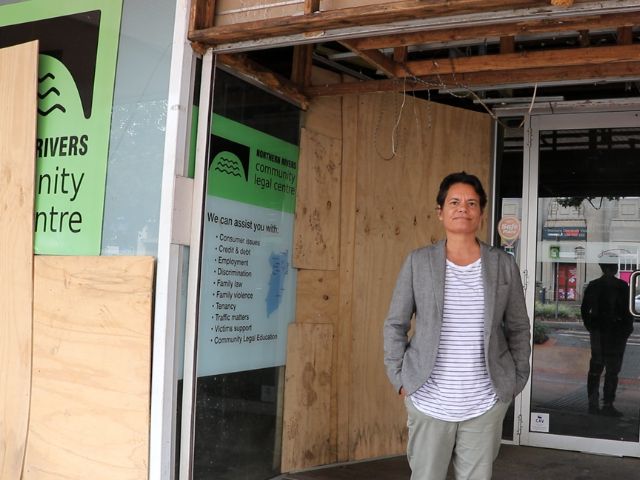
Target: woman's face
x=461, y=211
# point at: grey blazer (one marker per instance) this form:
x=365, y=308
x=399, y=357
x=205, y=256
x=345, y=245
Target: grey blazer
x=420, y=291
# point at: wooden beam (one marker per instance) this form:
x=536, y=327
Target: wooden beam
x=202, y=14
x=558, y=25
x=522, y=60
x=257, y=74
x=302, y=63
x=584, y=39
x=625, y=35
x=622, y=70
x=507, y=44
x=311, y=6
x=400, y=54
x=376, y=59
x=354, y=17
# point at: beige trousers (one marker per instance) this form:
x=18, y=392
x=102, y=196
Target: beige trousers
x=472, y=445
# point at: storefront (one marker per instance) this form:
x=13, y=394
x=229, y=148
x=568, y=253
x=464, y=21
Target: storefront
x=581, y=219
x=278, y=160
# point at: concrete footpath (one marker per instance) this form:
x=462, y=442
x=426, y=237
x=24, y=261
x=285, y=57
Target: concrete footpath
x=519, y=463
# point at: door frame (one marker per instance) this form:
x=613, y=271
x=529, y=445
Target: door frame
x=535, y=123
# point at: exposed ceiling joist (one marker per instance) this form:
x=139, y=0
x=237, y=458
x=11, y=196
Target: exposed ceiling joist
x=311, y=6
x=302, y=63
x=375, y=58
x=494, y=79
x=440, y=45
x=377, y=14
x=522, y=60
x=507, y=44
x=500, y=29
x=400, y=54
x=258, y=75
x=625, y=35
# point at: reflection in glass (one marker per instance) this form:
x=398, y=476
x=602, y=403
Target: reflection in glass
x=238, y=416
x=508, y=206
x=606, y=316
x=586, y=356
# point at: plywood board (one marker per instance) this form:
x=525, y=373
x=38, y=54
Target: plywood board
x=317, y=296
x=324, y=114
x=307, y=397
x=395, y=213
x=317, y=221
x=342, y=357
x=229, y=12
x=338, y=4
x=91, y=369
x=18, y=104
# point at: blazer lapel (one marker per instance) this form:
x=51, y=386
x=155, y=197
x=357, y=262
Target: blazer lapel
x=437, y=261
x=490, y=278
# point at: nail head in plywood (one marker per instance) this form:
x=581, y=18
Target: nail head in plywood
x=91, y=369
x=317, y=222
x=18, y=104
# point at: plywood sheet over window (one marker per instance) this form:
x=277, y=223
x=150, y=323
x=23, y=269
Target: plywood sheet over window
x=307, y=429
x=91, y=368
x=396, y=213
x=317, y=226
x=18, y=97
x=395, y=151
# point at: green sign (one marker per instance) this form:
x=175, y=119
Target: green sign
x=247, y=283
x=252, y=167
x=77, y=63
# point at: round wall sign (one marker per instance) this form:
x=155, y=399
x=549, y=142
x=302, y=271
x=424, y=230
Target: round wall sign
x=509, y=229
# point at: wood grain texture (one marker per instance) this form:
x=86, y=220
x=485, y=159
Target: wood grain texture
x=277, y=23
x=324, y=115
x=500, y=29
x=18, y=104
x=395, y=213
x=347, y=251
x=317, y=296
x=91, y=369
x=307, y=397
x=317, y=221
x=230, y=12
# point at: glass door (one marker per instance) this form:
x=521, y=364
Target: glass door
x=583, y=242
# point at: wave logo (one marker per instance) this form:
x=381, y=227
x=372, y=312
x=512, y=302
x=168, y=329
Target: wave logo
x=229, y=159
x=228, y=163
x=50, y=91
x=57, y=91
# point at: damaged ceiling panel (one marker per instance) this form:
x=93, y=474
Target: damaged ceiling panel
x=456, y=51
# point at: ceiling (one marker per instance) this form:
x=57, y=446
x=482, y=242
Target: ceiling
x=476, y=54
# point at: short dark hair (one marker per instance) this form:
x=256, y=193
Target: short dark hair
x=609, y=268
x=461, y=177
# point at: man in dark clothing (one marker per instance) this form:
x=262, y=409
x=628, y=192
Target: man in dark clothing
x=606, y=316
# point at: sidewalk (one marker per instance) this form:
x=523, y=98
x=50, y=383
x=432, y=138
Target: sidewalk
x=521, y=463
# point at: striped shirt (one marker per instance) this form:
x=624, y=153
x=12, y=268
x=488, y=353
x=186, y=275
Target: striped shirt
x=459, y=387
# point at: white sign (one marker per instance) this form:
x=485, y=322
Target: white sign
x=246, y=290
x=539, y=422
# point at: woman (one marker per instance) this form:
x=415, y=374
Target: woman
x=469, y=354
